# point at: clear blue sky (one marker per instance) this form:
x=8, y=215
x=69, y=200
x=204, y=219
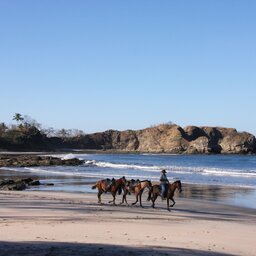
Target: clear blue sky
x=98, y=65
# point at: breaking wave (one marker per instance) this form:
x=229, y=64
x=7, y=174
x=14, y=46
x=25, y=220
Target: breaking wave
x=176, y=169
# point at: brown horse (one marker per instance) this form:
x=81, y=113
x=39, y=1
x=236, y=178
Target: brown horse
x=155, y=192
x=115, y=186
x=137, y=187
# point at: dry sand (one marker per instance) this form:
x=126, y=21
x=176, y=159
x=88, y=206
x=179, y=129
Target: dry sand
x=56, y=223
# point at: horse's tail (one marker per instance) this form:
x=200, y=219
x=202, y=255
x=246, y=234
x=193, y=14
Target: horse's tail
x=94, y=186
x=119, y=191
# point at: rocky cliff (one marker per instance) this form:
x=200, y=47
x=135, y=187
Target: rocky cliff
x=175, y=139
x=162, y=138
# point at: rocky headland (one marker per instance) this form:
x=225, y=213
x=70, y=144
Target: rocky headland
x=175, y=139
x=165, y=138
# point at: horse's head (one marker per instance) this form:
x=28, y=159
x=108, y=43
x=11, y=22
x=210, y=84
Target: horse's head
x=149, y=184
x=178, y=184
x=146, y=184
x=124, y=179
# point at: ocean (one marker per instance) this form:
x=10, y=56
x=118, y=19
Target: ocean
x=236, y=172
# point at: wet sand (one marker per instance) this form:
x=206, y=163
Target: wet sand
x=58, y=223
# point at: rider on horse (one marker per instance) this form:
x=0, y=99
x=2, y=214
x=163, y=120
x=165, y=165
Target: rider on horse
x=163, y=184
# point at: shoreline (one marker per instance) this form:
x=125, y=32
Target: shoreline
x=59, y=223
x=226, y=194
x=233, y=196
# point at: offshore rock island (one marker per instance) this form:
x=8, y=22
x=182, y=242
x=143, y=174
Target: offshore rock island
x=164, y=138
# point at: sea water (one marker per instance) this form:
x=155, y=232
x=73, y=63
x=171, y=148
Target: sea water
x=234, y=171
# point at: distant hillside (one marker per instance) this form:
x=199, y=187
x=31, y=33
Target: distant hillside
x=159, y=139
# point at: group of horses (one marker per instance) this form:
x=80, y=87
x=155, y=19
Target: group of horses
x=136, y=187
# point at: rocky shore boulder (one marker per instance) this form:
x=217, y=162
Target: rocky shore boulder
x=20, y=184
x=33, y=160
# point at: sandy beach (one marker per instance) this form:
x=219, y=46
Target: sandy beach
x=58, y=223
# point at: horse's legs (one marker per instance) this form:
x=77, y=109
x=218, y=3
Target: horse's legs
x=124, y=198
x=173, y=202
x=99, y=197
x=149, y=196
x=153, y=200
x=140, y=198
x=168, y=204
x=114, y=199
x=137, y=195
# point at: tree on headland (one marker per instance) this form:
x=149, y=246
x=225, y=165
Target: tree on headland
x=164, y=123
x=26, y=134
x=30, y=122
x=49, y=132
x=63, y=133
x=3, y=128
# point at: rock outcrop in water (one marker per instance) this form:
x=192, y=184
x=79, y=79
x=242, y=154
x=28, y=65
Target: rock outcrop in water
x=33, y=160
x=175, y=139
x=20, y=184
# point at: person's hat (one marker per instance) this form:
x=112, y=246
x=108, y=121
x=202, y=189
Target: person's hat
x=163, y=171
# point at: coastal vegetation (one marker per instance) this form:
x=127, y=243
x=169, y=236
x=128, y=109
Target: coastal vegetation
x=29, y=135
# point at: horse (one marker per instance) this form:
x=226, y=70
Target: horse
x=115, y=186
x=137, y=187
x=154, y=192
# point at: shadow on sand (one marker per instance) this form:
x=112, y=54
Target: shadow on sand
x=65, y=249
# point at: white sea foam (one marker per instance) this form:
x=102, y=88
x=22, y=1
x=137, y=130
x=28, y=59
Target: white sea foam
x=232, y=173
x=125, y=166
x=177, y=169
x=79, y=173
x=68, y=156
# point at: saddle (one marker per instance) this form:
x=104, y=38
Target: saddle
x=109, y=183
x=132, y=184
x=135, y=182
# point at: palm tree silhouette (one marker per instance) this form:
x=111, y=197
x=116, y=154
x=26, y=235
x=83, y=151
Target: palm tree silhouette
x=18, y=117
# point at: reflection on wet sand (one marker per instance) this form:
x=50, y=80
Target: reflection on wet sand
x=240, y=196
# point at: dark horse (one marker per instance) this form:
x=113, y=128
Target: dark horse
x=114, y=187
x=137, y=187
x=155, y=192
